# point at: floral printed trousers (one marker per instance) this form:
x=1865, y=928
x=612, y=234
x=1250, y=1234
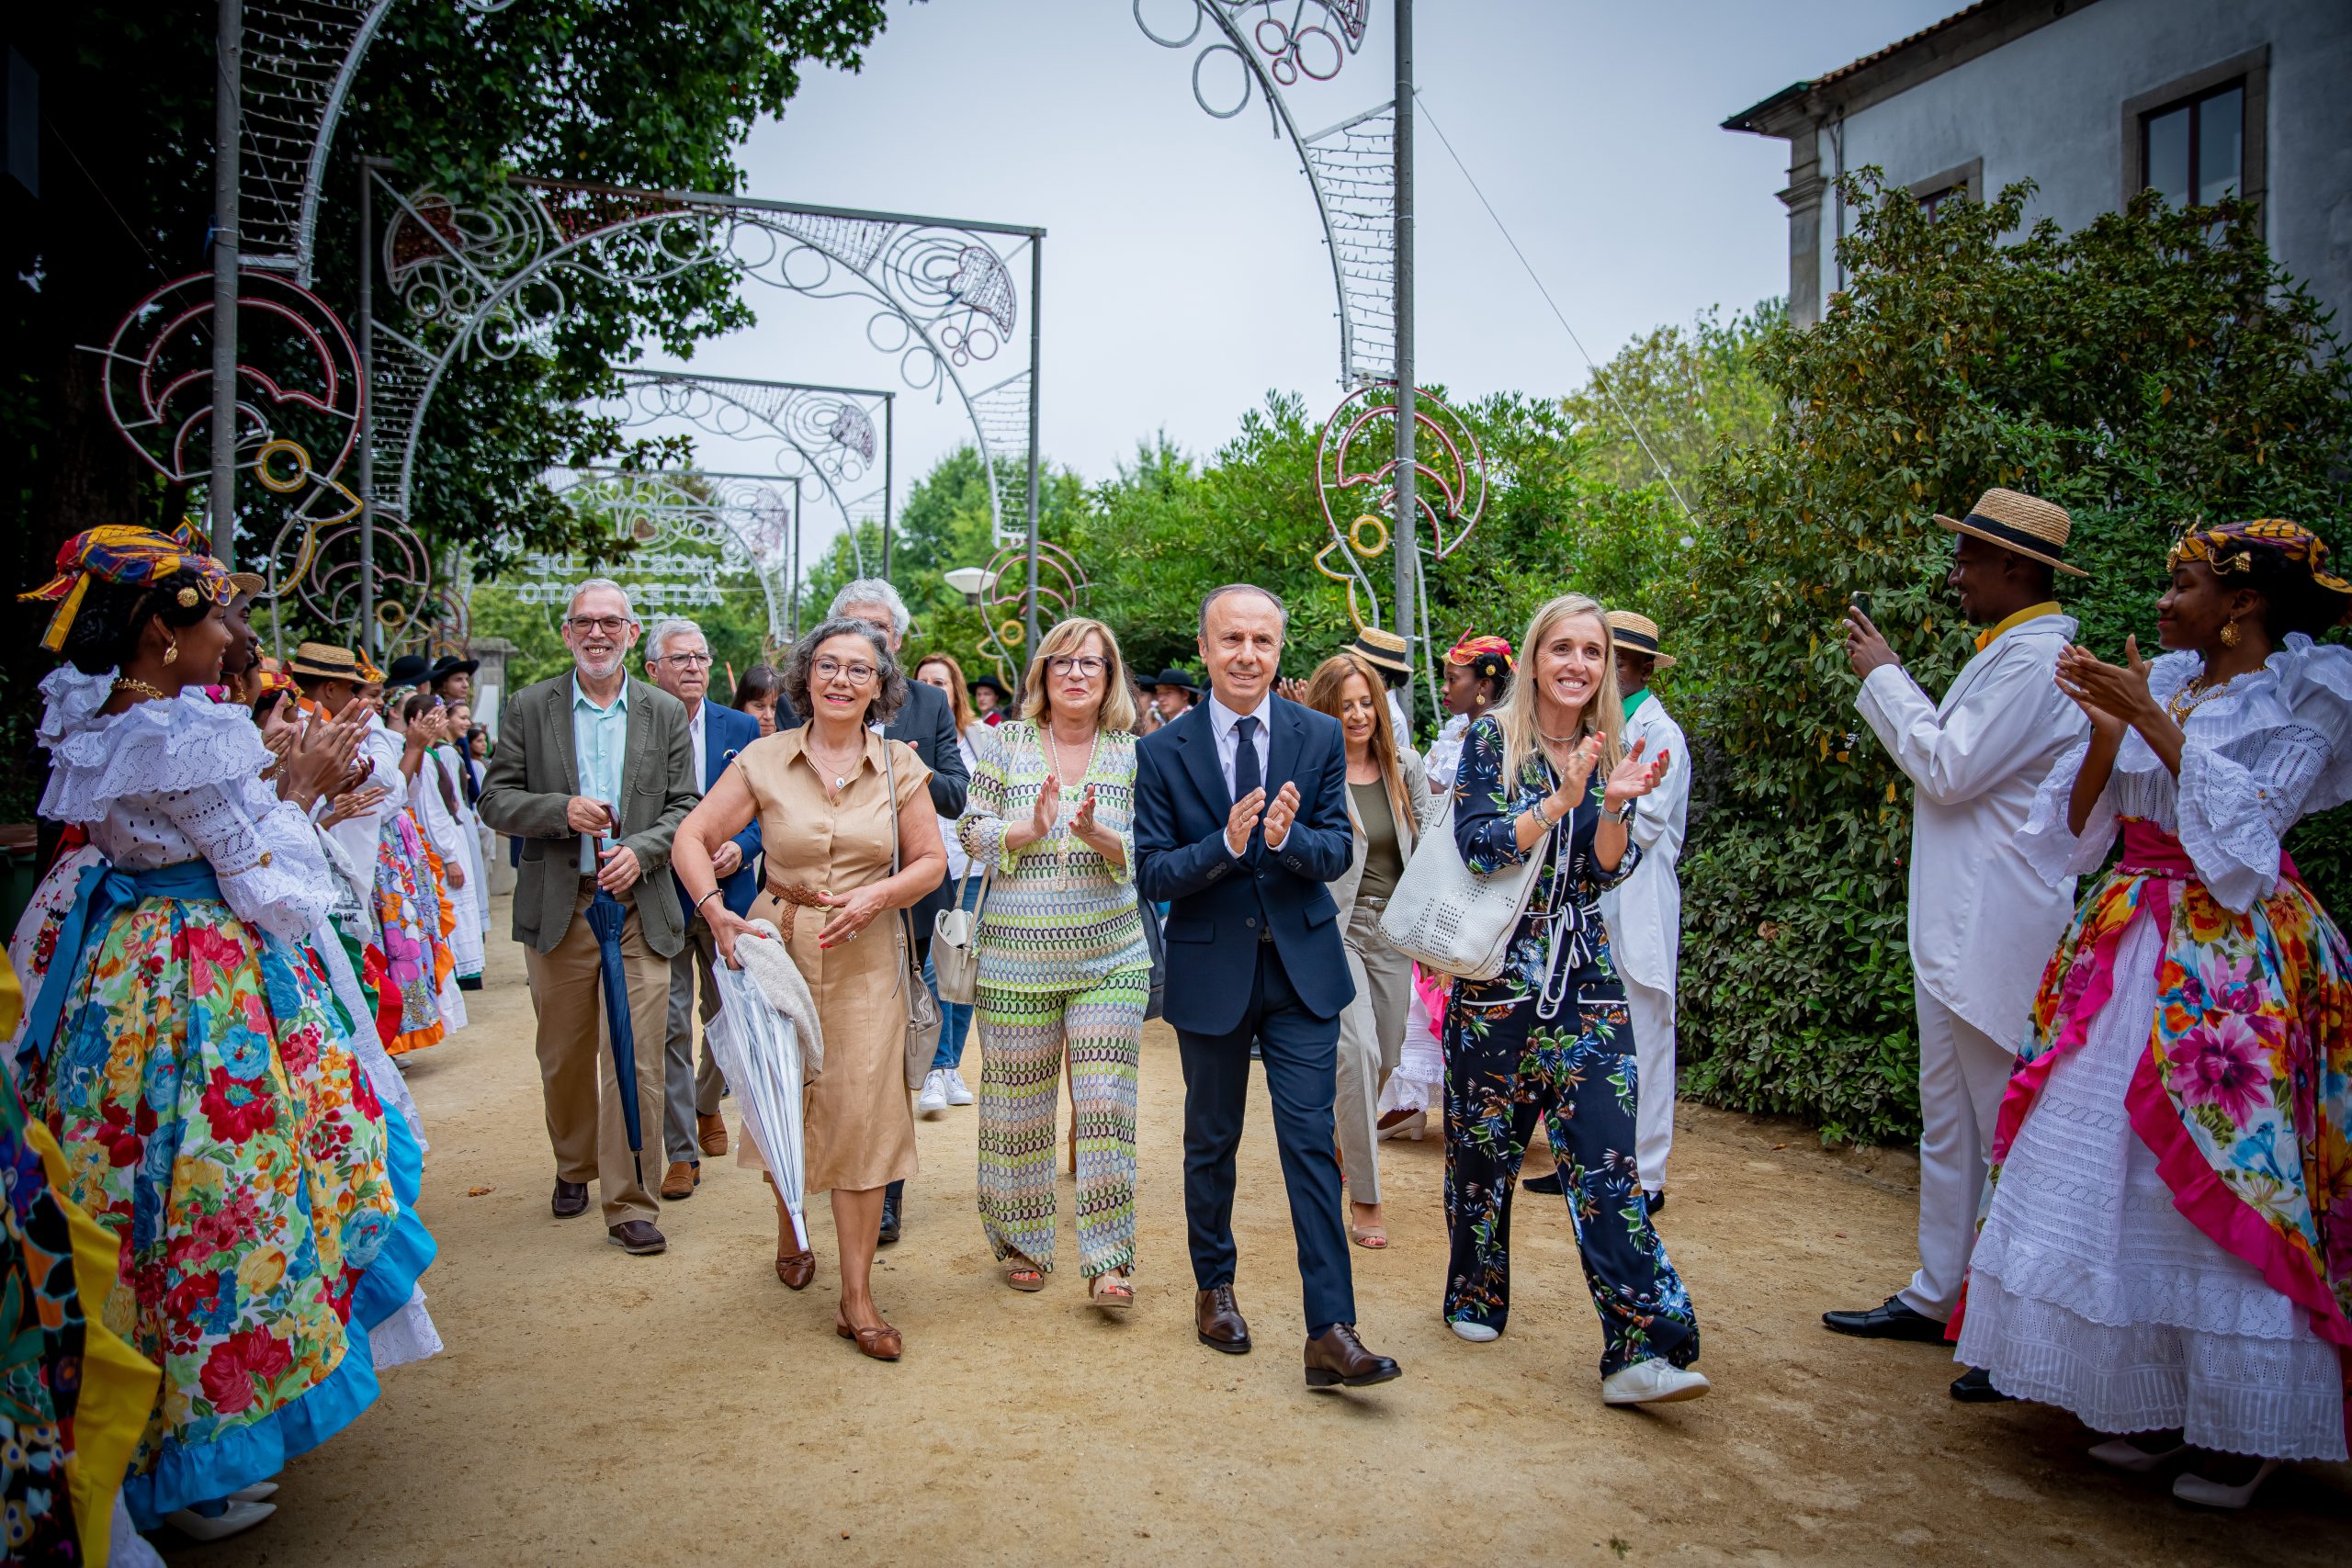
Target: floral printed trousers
x=1505, y=1069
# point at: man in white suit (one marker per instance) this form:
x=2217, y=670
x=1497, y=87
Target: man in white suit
x=1982, y=924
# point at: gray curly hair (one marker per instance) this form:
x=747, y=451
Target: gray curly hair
x=889, y=699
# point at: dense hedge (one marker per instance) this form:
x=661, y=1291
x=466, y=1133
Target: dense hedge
x=2153, y=366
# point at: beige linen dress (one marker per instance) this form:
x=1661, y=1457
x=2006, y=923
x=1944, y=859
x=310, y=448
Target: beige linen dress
x=860, y=1132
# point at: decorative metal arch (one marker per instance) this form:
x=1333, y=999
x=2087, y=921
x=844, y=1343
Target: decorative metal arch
x=751, y=517
x=827, y=434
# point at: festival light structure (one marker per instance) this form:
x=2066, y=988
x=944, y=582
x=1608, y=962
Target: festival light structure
x=673, y=519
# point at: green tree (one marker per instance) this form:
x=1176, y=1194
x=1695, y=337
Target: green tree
x=2149, y=366
x=1683, y=394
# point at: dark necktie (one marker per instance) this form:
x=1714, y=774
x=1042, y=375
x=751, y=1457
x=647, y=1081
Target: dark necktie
x=1246, y=776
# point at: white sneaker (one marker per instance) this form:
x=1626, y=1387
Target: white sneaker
x=1655, y=1382
x=1476, y=1333
x=932, y=1100
x=957, y=1092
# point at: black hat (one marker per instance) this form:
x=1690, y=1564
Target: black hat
x=1172, y=677
x=408, y=669
x=451, y=665
x=1004, y=692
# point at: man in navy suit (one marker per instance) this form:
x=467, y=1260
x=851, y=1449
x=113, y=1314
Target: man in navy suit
x=678, y=661
x=1241, y=816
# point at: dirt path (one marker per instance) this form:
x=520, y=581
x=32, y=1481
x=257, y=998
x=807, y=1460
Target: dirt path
x=596, y=1408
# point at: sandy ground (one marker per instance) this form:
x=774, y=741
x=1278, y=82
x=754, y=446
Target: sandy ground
x=597, y=1408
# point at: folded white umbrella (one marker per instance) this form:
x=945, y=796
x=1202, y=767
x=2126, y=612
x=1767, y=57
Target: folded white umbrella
x=769, y=1047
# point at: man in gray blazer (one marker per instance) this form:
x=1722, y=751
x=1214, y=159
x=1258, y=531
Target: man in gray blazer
x=594, y=772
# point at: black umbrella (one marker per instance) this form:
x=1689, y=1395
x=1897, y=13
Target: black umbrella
x=606, y=915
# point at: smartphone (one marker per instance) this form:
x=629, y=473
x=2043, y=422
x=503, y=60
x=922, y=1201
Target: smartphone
x=1862, y=601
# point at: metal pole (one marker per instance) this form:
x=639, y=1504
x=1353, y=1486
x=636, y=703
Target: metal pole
x=889, y=446
x=366, y=466
x=1036, y=300
x=220, y=489
x=796, y=557
x=1406, y=544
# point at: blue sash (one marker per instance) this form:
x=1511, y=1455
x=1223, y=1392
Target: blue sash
x=103, y=893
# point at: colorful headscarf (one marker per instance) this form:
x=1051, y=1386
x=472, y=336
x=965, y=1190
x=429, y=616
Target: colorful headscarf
x=1489, y=658
x=266, y=680
x=2234, y=548
x=116, y=552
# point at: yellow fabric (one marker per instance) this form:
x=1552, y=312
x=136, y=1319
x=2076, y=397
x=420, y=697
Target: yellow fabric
x=12, y=998
x=1984, y=640
x=118, y=1384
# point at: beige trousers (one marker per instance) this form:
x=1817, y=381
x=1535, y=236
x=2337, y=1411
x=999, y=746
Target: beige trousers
x=586, y=1123
x=1372, y=1037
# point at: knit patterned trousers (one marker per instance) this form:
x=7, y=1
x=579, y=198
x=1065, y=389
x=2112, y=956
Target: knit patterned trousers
x=1023, y=1037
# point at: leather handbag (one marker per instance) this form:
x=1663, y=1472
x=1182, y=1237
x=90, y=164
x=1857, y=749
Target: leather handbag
x=1446, y=917
x=1156, y=943
x=955, y=943
x=922, y=1010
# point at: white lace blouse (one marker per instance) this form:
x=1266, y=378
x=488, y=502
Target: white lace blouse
x=180, y=780
x=2270, y=748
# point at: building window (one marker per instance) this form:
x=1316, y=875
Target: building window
x=1934, y=202
x=2193, y=152
x=1962, y=182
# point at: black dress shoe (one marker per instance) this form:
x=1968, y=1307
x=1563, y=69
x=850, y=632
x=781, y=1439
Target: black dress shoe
x=1891, y=1321
x=1655, y=1201
x=571, y=1199
x=1216, y=1319
x=1337, y=1359
x=1548, y=1183
x=889, y=1232
x=637, y=1237
x=1974, y=1386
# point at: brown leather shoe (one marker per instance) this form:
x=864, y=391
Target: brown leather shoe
x=1216, y=1318
x=796, y=1269
x=1338, y=1358
x=637, y=1237
x=710, y=1132
x=881, y=1341
x=571, y=1199
x=679, y=1182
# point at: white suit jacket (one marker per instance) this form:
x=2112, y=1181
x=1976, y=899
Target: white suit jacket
x=1644, y=913
x=1984, y=923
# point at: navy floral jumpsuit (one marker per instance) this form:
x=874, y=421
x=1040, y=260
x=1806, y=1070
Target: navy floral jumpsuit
x=1550, y=1039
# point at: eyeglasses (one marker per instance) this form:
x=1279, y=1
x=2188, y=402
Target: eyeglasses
x=690, y=660
x=611, y=625
x=1084, y=664
x=833, y=668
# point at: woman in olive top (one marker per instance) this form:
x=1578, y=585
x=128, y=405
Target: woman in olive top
x=1389, y=801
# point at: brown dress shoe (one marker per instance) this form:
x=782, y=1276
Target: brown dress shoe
x=794, y=1269
x=881, y=1341
x=1216, y=1318
x=710, y=1132
x=636, y=1238
x=679, y=1181
x=571, y=1199
x=1338, y=1358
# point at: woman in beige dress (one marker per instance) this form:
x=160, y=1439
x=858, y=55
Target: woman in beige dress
x=822, y=793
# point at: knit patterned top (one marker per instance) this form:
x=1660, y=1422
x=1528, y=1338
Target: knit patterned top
x=1058, y=917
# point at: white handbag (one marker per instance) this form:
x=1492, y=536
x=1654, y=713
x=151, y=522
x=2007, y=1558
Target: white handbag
x=1446, y=917
x=956, y=944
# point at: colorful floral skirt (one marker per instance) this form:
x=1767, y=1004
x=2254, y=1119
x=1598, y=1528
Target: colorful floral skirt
x=2168, y=1237
x=214, y=1121
x=417, y=961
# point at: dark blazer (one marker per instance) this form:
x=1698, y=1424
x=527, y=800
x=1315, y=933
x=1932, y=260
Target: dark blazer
x=533, y=776
x=1219, y=903
x=725, y=733
x=928, y=724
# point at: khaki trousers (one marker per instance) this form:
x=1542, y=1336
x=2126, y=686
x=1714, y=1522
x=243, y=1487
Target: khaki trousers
x=586, y=1123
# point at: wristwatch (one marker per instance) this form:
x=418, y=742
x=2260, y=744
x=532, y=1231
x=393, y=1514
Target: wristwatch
x=1625, y=812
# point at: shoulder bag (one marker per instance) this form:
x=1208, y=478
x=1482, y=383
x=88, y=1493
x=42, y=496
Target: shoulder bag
x=923, y=1011
x=1446, y=917
x=955, y=943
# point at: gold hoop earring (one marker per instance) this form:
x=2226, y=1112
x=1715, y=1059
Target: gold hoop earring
x=1478, y=699
x=172, y=650
x=2230, y=633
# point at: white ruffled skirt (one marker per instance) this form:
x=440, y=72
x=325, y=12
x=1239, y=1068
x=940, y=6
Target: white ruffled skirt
x=2090, y=1291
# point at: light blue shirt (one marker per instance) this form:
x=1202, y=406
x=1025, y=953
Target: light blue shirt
x=599, y=746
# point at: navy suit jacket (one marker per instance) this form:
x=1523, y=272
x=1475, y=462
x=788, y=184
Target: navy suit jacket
x=725, y=733
x=1219, y=903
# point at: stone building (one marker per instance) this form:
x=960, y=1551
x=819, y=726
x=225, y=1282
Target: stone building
x=2095, y=100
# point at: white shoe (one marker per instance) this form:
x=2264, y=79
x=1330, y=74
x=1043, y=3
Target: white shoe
x=1655, y=1382
x=1411, y=1127
x=958, y=1093
x=932, y=1100
x=1476, y=1333
x=2191, y=1487
x=2122, y=1454
x=259, y=1492
x=236, y=1517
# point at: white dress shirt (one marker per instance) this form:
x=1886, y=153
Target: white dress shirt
x=1644, y=913
x=1223, y=721
x=694, y=728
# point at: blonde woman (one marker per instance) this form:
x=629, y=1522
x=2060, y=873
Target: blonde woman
x=1388, y=799
x=1546, y=774
x=1063, y=969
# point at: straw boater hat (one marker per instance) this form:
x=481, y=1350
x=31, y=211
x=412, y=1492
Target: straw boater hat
x=1381, y=649
x=1640, y=634
x=2031, y=528
x=323, y=660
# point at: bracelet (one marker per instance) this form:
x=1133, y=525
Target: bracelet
x=1625, y=812
x=703, y=900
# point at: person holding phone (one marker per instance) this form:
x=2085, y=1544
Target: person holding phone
x=1982, y=922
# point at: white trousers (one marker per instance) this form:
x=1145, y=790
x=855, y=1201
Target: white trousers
x=1652, y=1014
x=1962, y=1072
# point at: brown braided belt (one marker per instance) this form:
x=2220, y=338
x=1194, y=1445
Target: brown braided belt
x=795, y=898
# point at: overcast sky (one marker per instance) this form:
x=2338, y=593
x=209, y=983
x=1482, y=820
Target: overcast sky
x=1185, y=273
